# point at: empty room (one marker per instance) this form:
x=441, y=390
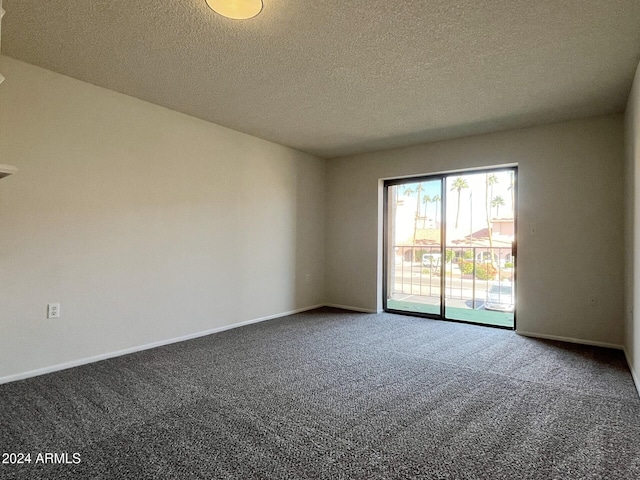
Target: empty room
x=258, y=239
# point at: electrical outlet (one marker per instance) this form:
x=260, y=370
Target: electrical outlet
x=533, y=230
x=53, y=310
x=593, y=301
x=308, y=278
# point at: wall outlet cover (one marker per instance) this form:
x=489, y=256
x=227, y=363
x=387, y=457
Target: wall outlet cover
x=53, y=310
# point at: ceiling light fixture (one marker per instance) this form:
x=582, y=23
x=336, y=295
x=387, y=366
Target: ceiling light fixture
x=236, y=9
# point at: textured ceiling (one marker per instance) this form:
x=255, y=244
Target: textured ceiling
x=335, y=77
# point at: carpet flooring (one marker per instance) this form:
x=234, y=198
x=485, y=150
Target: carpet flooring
x=330, y=394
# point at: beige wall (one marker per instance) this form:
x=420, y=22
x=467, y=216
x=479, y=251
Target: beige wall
x=148, y=225
x=632, y=230
x=145, y=224
x=570, y=178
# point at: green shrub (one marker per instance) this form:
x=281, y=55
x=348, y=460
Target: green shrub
x=449, y=254
x=466, y=267
x=468, y=255
x=508, y=265
x=485, y=271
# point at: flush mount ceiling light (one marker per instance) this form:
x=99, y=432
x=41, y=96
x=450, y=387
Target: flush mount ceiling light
x=236, y=9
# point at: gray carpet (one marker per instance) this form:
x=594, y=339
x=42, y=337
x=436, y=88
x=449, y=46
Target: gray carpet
x=330, y=394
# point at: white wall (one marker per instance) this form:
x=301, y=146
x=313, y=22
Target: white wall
x=632, y=230
x=145, y=224
x=570, y=178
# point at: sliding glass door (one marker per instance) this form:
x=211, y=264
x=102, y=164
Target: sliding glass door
x=414, y=252
x=450, y=246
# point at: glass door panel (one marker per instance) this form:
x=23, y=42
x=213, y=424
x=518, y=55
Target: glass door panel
x=480, y=231
x=414, y=253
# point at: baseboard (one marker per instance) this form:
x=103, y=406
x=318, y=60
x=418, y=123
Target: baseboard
x=354, y=309
x=570, y=340
x=634, y=375
x=126, y=351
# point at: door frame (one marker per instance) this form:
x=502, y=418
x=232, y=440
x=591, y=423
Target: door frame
x=443, y=235
x=385, y=240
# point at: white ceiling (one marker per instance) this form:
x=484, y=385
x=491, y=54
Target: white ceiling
x=336, y=77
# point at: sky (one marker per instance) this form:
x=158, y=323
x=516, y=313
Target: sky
x=470, y=198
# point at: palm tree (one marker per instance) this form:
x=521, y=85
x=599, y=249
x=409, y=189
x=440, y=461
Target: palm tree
x=436, y=199
x=491, y=181
x=415, y=224
x=459, y=185
x=497, y=202
x=426, y=200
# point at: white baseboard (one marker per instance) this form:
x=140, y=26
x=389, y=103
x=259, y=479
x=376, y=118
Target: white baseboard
x=126, y=351
x=347, y=307
x=634, y=375
x=570, y=340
